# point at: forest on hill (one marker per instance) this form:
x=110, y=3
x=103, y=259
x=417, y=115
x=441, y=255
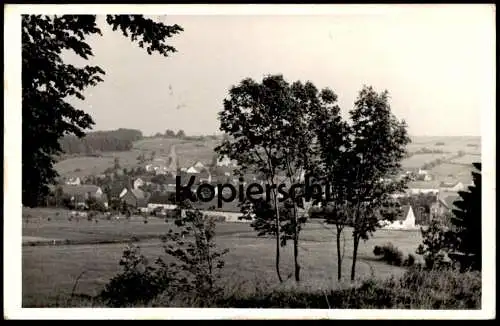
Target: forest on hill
x=101, y=141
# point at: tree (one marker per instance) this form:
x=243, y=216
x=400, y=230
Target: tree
x=47, y=82
x=467, y=221
x=267, y=130
x=116, y=164
x=181, y=134
x=249, y=119
x=296, y=143
x=376, y=145
x=169, y=133
x=332, y=142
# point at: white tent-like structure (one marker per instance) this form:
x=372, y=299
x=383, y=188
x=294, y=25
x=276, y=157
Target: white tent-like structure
x=408, y=223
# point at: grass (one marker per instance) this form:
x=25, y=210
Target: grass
x=452, y=173
x=451, y=144
x=50, y=271
x=415, y=289
x=88, y=165
x=202, y=151
x=418, y=160
x=467, y=159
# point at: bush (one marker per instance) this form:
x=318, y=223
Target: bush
x=390, y=254
x=410, y=261
x=139, y=282
x=437, y=243
x=192, y=275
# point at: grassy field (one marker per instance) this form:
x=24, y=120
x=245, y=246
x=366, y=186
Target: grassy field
x=418, y=160
x=452, y=173
x=467, y=159
x=50, y=271
x=448, y=144
x=159, y=145
x=190, y=151
x=88, y=165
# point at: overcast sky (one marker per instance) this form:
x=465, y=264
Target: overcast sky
x=433, y=61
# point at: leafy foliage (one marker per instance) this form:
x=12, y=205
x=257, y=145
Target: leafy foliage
x=47, y=82
x=197, y=262
x=138, y=283
x=437, y=242
x=357, y=157
x=268, y=131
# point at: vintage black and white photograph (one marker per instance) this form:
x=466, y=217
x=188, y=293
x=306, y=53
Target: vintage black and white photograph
x=330, y=158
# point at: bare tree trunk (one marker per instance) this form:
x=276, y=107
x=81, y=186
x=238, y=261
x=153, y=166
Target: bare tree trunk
x=276, y=208
x=296, y=251
x=339, y=255
x=354, y=257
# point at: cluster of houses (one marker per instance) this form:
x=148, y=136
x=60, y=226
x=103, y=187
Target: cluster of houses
x=156, y=189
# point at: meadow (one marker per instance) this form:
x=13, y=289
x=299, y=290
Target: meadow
x=448, y=172
x=446, y=144
x=50, y=271
x=418, y=160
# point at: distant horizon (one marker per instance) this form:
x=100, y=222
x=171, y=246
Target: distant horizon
x=218, y=133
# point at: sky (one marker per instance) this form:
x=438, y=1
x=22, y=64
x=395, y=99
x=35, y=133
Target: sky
x=434, y=61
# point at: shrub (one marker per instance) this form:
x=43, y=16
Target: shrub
x=390, y=254
x=193, y=276
x=198, y=262
x=437, y=243
x=139, y=282
x=410, y=261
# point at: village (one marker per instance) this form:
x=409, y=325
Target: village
x=149, y=189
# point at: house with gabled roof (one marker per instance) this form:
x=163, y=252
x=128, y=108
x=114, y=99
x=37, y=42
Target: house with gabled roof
x=198, y=165
x=135, y=197
x=79, y=194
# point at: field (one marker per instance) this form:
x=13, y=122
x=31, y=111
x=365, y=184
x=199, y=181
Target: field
x=446, y=144
x=50, y=271
x=88, y=165
x=452, y=173
x=190, y=151
x=418, y=160
x=467, y=159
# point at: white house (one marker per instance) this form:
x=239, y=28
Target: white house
x=76, y=181
x=198, y=165
x=225, y=161
x=192, y=170
x=416, y=191
x=138, y=183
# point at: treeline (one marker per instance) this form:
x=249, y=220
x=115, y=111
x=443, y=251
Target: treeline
x=101, y=141
x=182, y=135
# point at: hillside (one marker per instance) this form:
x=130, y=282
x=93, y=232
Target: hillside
x=189, y=151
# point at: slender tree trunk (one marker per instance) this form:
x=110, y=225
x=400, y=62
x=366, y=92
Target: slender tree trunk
x=339, y=255
x=354, y=257
x=296, y=254
x=276, y=208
